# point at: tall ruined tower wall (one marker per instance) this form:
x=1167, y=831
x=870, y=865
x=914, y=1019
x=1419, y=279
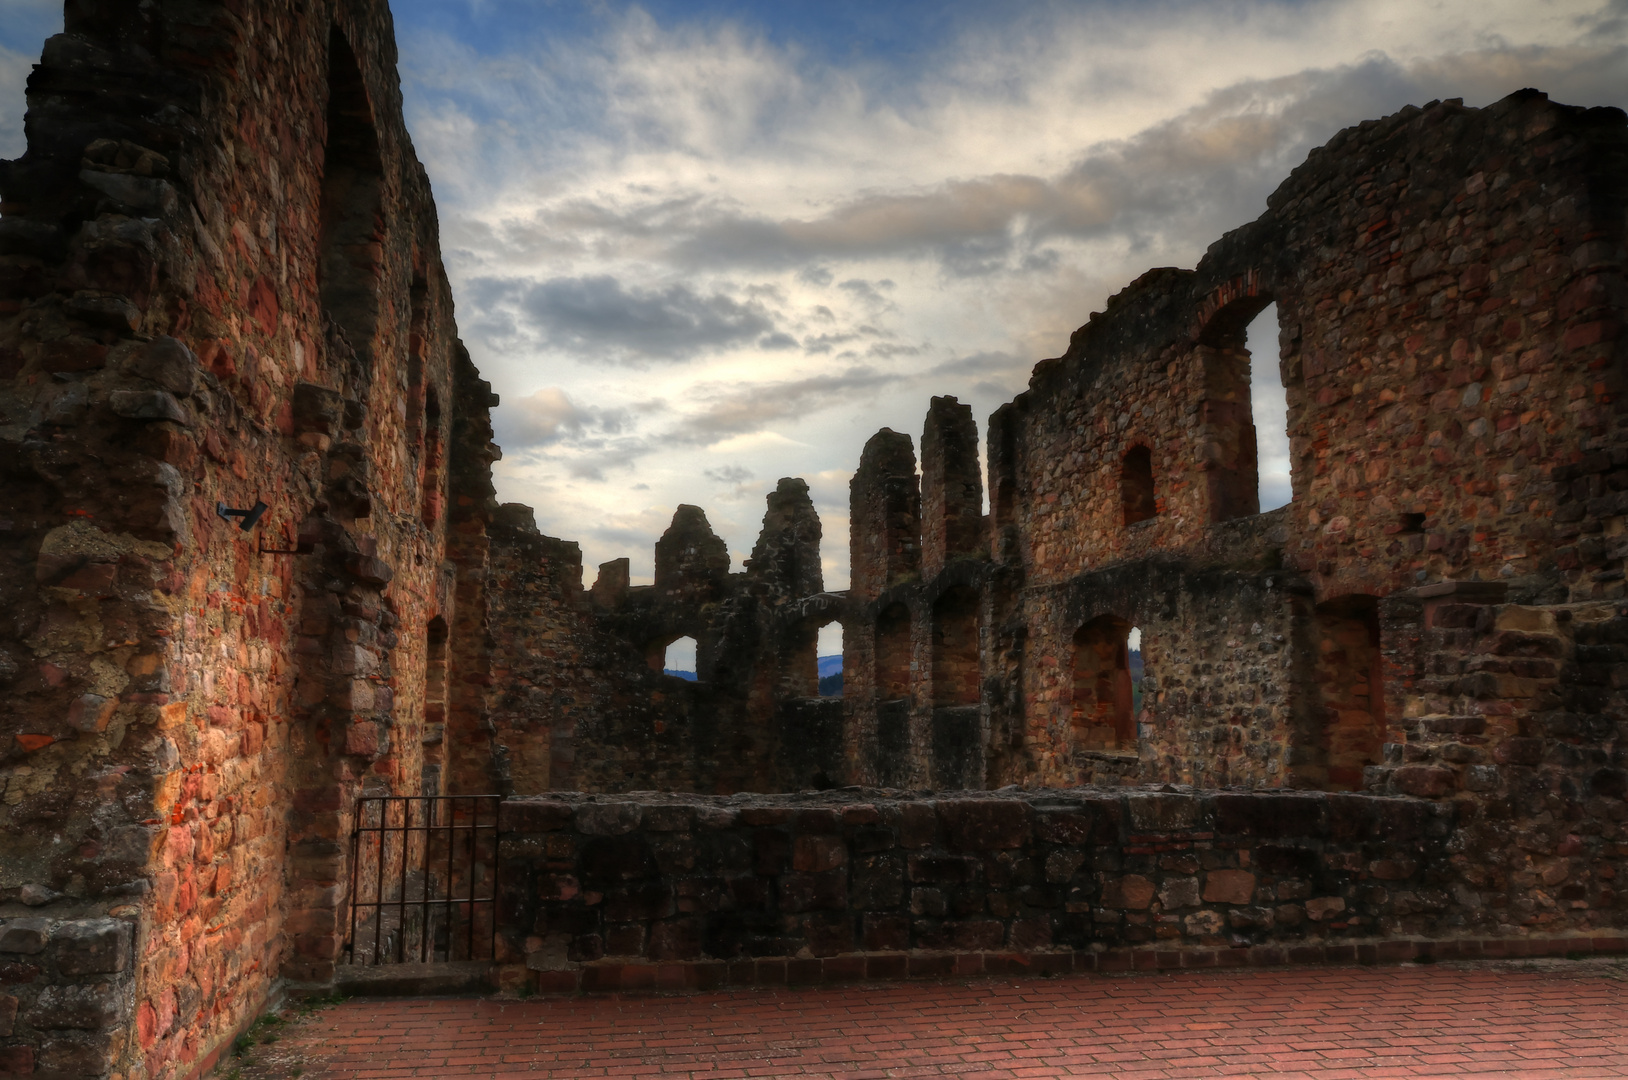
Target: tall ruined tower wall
x=220, y=284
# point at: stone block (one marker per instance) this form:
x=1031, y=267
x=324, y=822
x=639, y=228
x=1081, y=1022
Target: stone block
x=1424, y=781
x=941, y=869
x=1159, y=812
x=984, y=824
x=816, y=891
x=92, y=946
x=1070, y=827
x=1323, y=908
x=1178, y=892
x=1229, y=887
x=16, y=1061
x=816, y=853
x=877, y=882
x=89, y=1007
x=1132, y=892
x=527, y=815
x=81, y=1055
x=147, y=405
x=8, y=1015
x=26, y=936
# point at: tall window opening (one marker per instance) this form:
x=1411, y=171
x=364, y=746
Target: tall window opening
x=1351, y=688
x=956, y=676
x=348, y=267
x=893, y=653
x=828, y=658
x=675, y=657
x=1103, y=716
x=435, y=704
x=434, y=459
x=1269, y=407
x=1136, y=485
x=1226, y=427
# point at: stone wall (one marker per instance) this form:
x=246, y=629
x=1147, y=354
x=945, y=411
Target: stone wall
x=1449, y=286
x=220, y=284
x=604, y=892
x=574, y=694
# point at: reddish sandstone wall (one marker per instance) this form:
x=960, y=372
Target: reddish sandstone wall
x=219, y=282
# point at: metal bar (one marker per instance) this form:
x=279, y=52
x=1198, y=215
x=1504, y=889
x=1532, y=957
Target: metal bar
x=355, y=845
x=496, y=807
x=424, y=889
x=474, y=817
x=378, y=889
x=401, y=894
x=452, y=812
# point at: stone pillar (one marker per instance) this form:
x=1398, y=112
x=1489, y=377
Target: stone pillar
x=788, y=549
x=690, y=557
x=952, y=486
x=884, y=516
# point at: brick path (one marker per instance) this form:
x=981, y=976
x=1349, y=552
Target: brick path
x=1537, y=1021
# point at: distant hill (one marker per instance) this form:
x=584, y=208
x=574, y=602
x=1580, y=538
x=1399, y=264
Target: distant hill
x=830, y=665
x=831, y=685
x=690, y=675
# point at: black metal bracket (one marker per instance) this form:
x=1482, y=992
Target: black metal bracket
x=250, y=517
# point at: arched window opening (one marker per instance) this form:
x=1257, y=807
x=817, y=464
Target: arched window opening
x=1136, y=485
x=435, y=704
x=1350, y=687
x=675, y=657
x=1269, y=407
x=348, y=268
x=956, y=676
x=893, y=654
x=828, y=657
x=1103, y=716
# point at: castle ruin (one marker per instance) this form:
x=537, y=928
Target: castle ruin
x=257, y=587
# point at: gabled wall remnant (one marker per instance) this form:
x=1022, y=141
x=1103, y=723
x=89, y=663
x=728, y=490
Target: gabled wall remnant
x=220, y=285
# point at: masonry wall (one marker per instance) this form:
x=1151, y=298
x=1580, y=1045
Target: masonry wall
x=1449, y=288
x=219, y=284
x=574, y=696
x=675, y=892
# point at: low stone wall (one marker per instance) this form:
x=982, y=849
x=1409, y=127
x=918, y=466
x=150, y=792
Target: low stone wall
x=654, y=891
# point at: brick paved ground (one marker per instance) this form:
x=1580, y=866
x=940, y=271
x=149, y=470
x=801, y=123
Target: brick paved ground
x=1536, y=1020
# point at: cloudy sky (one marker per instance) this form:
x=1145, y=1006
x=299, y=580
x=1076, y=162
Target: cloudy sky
x=701, y=244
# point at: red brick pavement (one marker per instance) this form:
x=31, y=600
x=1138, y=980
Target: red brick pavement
x=1299, y=1022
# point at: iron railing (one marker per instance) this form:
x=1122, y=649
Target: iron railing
x=423, y=879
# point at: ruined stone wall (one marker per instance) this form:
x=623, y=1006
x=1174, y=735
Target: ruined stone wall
x=673, y=892
x=1446, y=283
x=1449, y=287
x=574, y=696
x=219, y=284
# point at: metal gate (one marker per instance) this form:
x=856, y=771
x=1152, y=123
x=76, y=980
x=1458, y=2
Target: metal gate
x=423, y=879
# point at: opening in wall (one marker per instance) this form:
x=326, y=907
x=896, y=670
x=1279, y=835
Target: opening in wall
x=348, y=269
x=893, y=653
x=1350, y=688
x=956, y=677
x=1270, y=409
x=677, y=658
x=435, y=705
x=1136, y=485
x=1103, y=716
x=828, y=658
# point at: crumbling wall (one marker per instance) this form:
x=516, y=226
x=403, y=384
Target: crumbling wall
x=647, y=892
x=1449, y=287
x=576, y=697
x=219, y=285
